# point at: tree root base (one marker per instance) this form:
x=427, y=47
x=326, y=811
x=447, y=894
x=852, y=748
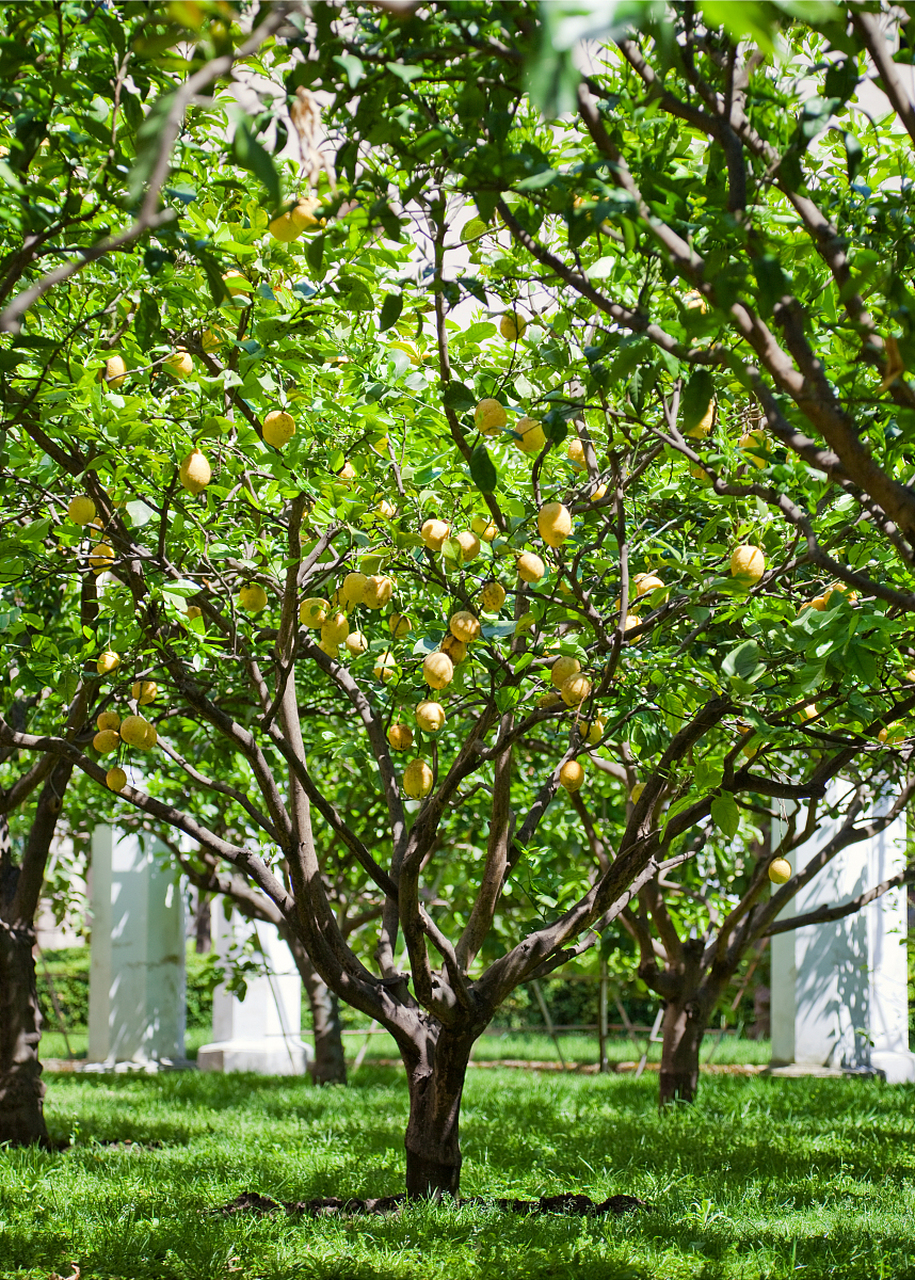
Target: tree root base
x=571, y=1204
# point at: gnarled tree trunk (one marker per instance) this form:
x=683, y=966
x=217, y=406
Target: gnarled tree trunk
x=21, y=1088
x=684, y=1026
x=436, y=1069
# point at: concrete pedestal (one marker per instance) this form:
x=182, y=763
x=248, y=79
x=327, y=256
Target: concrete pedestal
x=840, y=990
x=262, y=1032
x=136, y=971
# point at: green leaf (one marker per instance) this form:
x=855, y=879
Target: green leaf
x=483, y=470
x=854, y=154
x=353, y=66
x=457, y=396
x=390, y=311
x=146, y=325
x=405, y=73
x=315, y=254
x=249, y=153
x=726, y=814
x=698, y=394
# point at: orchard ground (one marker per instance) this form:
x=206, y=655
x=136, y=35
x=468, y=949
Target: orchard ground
x=762, y=1177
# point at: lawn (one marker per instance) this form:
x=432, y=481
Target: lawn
x=763, y=1178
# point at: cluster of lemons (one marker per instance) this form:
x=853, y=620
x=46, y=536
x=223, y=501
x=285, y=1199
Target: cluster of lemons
x=131, y=731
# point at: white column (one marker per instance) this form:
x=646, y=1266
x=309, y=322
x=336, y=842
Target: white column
x=262, y=1032
x=136, y=971
x=840, y=990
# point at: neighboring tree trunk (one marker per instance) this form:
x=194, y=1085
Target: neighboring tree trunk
x=682, y=1031
x=21, y=1088
x=435, y=1075
x=203, y=940
x=329, y=1066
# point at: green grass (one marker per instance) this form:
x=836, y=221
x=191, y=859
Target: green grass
x=762, y=1178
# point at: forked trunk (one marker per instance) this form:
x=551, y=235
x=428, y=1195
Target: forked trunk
x=683, y=1028
x=329, y=1066
x=21, y=1089
x=435, y=1075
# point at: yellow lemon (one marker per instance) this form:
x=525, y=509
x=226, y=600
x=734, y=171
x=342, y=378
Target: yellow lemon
x=101, y=557
x=434, y=532
x=106, y=741
x=530, y=567
x=572, y=775
x=455, y=649
x=81, y=510
x=399, y=626
x=179, y=364
x=492, y=596
x=575, y=690
x=385, y=667
x=334, y=629
x=313, y=611
x=116, y=779
x=108, y=720
x=704, y=425
x=430, y=716
x=144, y=691
x=252, y=597
x=438, y=670
x=464, y=626
x=134, y=730
x=352, y=590
x=470, y=545
x=108, y=661
x=748, y=563
x=114, y=373
x=483, y=528
x=377, y=591
x=780, y=870
x=576, y=454
x=555, y=523
x=594, y=731
x=195, y=472
x=561, y=669
x=356, y=643
x=512, y=326
x=489, y=417
x=417, y=779
x=400, y=737
x=278, y=429
x=531, y=435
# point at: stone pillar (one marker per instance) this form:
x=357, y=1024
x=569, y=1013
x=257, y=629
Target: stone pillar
x=261, y=1033
x=840, y=990
x=136, y=971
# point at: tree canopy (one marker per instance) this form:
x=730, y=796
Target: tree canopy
x=532, y=434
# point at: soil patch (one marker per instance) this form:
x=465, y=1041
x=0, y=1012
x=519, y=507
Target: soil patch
x=571, y=1204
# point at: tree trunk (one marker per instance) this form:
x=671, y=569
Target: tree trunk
x=21, y=1088
x=329, y=1066
x=684, y=1026
x=435, y=1074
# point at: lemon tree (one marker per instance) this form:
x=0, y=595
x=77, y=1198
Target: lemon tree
x=587, y=612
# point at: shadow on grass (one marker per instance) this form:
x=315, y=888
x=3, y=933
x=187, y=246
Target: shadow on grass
x=762, y=1178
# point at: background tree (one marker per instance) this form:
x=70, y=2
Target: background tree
x=385, y=447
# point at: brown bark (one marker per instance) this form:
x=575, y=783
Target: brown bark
x=436, y=1067
x=21, y=1089
x=329, y=1066
x=682, y=1031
